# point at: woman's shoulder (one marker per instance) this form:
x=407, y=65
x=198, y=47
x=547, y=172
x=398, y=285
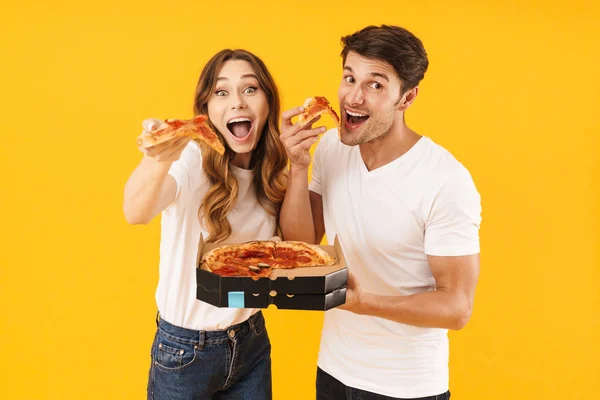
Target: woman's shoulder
x=188, y=170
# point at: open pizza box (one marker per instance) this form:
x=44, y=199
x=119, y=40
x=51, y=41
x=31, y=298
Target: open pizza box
x=309, y=288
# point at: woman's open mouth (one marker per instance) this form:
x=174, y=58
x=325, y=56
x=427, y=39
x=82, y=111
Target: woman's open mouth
x=240, y=128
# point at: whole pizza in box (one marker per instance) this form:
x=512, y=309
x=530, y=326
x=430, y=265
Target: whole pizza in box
x=258, y=259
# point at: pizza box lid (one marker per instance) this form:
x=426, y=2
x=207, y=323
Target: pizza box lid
x=308, y=280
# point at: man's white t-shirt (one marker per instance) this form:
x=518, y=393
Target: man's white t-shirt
x=180, y=233
x=388, y=220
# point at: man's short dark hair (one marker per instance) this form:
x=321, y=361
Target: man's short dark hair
x=394, y=45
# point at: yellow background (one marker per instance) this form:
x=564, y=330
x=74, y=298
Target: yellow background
x=512, y=90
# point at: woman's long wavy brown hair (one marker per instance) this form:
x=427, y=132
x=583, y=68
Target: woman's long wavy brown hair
x=269, y=157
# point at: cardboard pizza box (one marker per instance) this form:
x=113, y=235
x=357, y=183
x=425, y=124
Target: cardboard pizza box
x=310, y=288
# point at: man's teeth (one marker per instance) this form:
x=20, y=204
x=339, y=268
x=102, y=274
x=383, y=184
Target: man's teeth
x=356, y=114
x=243, y=119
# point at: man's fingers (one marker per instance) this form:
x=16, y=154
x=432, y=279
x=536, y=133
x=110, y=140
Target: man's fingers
x=304, y=144
x=286, y=116
x=293, y=141
x=297, y=129
x=276, y=239
x=308, y=133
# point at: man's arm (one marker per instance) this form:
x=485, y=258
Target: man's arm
x=301, y=216
x=449, y=306
x=316, y=205
x=296, y=217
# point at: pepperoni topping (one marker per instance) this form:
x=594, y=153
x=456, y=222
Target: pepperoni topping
x=288, y=254
x=321, y=104
x=175, y=123
x=198, y=119
x=208, y=134
x=229, y=270
x=235, y=262
x=253, y=254
x=286, y=263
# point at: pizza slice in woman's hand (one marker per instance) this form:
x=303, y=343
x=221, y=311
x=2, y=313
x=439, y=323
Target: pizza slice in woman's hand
x=196, y=128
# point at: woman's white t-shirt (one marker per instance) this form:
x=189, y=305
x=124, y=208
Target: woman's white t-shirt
x=180, y=234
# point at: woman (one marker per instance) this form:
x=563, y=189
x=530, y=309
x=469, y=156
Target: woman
x=201, y=351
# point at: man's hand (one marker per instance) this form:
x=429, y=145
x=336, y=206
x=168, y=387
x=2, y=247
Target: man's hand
x=354, y=296
x=297, y=139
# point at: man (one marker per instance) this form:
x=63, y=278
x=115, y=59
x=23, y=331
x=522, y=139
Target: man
x=407, y=214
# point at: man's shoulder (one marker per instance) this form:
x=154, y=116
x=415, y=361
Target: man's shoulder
x=446, y=171
x=441, y=159
x=441, y=166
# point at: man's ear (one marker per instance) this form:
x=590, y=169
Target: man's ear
x=408, y=98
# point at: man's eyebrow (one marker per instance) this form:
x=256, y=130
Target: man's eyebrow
x=383, y=76
x=377, y=74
